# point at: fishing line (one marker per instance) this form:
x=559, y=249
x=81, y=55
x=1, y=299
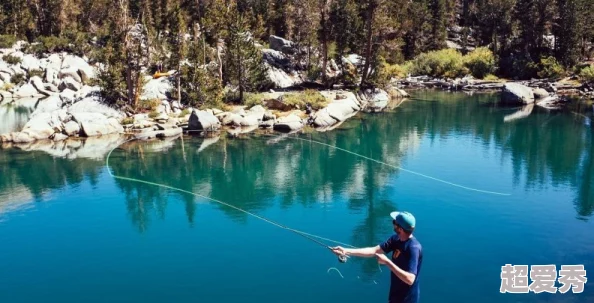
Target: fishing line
x=314, y=238
x=403, y=169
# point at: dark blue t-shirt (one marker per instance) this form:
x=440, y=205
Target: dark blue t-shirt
x=408, y=255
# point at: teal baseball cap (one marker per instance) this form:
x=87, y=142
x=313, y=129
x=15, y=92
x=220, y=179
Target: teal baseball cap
x=404, y=219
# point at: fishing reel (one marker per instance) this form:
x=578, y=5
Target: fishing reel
x=342, y=258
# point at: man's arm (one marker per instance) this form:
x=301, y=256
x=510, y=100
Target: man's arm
x=366, y=252
x=406, y=277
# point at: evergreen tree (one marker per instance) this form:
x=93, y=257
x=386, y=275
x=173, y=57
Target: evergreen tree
x=177, y=45
x=244, y=67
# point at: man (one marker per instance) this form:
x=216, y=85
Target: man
x=407, y=256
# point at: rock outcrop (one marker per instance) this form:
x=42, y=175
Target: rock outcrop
x=514, y=93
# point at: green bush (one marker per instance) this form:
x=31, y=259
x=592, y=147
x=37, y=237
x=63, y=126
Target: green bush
x=153, y=114
x=387, y=71
x=447, y=63
x=548, y=67
x=587, y=74
x=11, y=59
x=480, y=62
x=7, y=41
x=17, y=79
x=309, y=96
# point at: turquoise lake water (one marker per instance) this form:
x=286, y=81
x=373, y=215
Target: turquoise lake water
x=70, y=232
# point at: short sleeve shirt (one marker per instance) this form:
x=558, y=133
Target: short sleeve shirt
x=407, y=255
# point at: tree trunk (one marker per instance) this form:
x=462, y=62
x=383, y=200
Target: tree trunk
x=324, y=44
x=368, y=46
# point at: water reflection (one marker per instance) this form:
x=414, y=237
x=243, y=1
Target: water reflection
x=545, y=149
x=15, y=114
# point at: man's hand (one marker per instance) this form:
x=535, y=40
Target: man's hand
x=339, y=251
x=382, y=259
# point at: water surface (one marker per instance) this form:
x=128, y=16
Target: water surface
x=72, y=233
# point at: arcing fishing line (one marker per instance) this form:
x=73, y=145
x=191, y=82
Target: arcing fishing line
x=311, y=237
x=403, y=169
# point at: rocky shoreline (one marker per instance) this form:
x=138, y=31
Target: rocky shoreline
x=70, y=106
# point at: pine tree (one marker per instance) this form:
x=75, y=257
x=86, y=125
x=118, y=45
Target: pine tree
x=346, y=29
x=438, y=24
x=177, y=45
x=244, y=65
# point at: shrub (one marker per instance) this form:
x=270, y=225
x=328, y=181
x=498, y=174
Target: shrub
x=184, y=113
x=17, y=79
x=309, y=96
x=50, y=44
x=10, y=59
x=151, y=104
x=548, y=67
x=35, y=72
x=387, y=71
x=587, y=74
x=7, y=41
x=153, y=114
x=480, y=62
x=491, y=77
x=251, y=99
x=447, y=63
x=127, y=120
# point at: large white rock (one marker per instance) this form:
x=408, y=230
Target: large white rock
x=71, y=128
x=5, y=76
x=27, y=90
x=68, y=95
x=289, y=123
x=203, y=120
x=78, y=64
x=96, y=124
x=40, y=126
x=92, y=105
x=30, y=62
x=70, y=72
x=48, y=105
x=517, y=93
x=377, y=99
x=69, y=83
x=343, y=106
x=51, y=75
x=38, y=84
x=282, y=79
x=280, y=44
x=157, y=89
x=540, y=93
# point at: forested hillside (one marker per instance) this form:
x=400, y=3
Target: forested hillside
x=216, y=43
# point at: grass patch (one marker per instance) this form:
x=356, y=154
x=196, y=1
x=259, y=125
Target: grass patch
x=127, y=120
x=153, y=114
x=491, y=77
x=6, y=86
x=10, y=59
x=300, y=100
x=184, y=113
x=251, y=99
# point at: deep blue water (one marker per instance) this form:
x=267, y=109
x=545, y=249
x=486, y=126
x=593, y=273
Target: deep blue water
x=72, y=233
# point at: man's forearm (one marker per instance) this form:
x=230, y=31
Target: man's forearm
x=367, y=252
x=403, y=275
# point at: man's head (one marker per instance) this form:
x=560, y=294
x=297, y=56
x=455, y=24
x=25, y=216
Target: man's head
x=404, y=223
